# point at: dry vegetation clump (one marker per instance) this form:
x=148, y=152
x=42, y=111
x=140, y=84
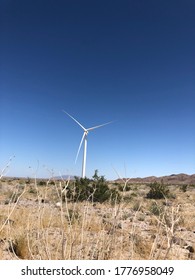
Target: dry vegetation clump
x=57, y=219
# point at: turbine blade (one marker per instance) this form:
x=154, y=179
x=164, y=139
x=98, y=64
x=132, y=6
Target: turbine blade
x=75, y=120
x=84, y=134
x=94, y=127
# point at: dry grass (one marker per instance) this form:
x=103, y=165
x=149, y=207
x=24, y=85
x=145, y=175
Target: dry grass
x=33, y=227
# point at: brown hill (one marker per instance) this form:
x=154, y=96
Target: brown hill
x=170, y=179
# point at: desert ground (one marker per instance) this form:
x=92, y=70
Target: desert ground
x=39, y=221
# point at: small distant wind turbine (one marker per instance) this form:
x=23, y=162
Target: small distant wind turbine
x=84, y=138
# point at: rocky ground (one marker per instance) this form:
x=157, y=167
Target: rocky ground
x=36, y=224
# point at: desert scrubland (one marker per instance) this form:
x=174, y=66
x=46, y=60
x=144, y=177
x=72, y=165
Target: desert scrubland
x=46, y=220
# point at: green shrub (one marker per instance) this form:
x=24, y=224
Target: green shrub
x=42, y=183
x=32, y=190
x=156, y=209
x=122, y=188
x=183, y=188
x=72, y=216
x=158, y=191
x=52, y=183
x=13, y=197
x=128, y=188
x=133, y=194
x=95, y=190
x=28, y=180
x=127, y=198
x=136, y=206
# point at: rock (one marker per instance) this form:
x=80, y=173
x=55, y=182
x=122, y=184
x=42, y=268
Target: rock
x=179, y=241
x=44, y=200
x=58, y=204
x=167, y=203
x=190, y=248
x=9, y=222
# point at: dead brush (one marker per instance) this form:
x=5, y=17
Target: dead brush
x=90, y=230
x=167, y=225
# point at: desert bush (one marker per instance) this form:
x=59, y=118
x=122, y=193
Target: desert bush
x=72, y=215
x=32, y=190
x=13, y=197
x=21, y=182
x=121, y=188
x=156, y=209
x=183, y=188
x=136, y=206
x=158, y=191
x=127, y=198
x=42, y=183
x=133, y=194
x=19, y=247
x=128, y=188
x=28, y=181
x=95, y=190
x=52, y=183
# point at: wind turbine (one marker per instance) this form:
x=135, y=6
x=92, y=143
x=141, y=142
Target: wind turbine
x=84, y=138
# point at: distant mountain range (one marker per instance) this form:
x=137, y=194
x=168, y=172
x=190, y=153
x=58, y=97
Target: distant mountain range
x=170, y=179
x=65, y=177
x=180, y=179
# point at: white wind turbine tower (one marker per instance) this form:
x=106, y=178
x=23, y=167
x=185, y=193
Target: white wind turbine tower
x=84, y=138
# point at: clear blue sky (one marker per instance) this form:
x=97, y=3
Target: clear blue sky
x=128, y=61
